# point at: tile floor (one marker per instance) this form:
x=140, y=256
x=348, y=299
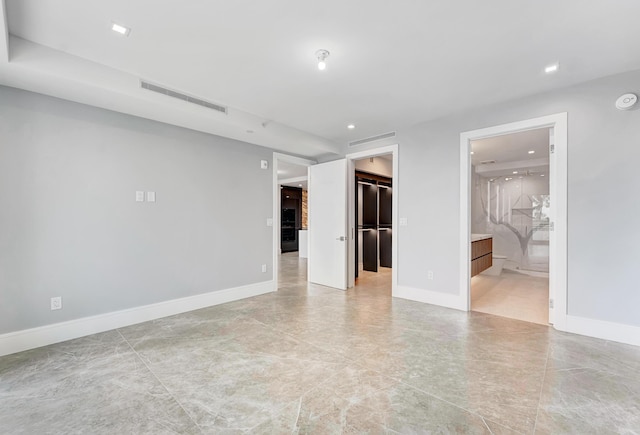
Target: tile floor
x=512, y=295
x=309, y=359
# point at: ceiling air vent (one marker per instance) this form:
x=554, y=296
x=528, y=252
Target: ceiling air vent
x=183, y=97
x=487, y=162
x=372, y=139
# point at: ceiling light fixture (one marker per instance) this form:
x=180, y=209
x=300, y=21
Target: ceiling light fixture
x=351, y=126
x=532, y=152
x=552, y=68
x=471, y=152
x=120, y=29
x=515, y=172
x=322, y=55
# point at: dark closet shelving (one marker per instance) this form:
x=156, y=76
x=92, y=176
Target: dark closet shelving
x=374, y=220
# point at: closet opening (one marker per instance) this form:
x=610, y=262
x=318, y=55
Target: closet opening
x=373, y=188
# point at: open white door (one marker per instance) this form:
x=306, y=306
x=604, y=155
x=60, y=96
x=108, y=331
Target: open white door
x=553, y=241
x=327, y=263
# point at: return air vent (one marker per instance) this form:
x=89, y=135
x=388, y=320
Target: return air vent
x=372, y=139
x=487, y=162
x=183, y=97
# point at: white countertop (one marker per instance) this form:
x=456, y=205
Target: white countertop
x=476, y=237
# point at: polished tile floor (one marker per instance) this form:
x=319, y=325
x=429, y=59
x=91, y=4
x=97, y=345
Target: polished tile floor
x=309, y=359
x=513, y=295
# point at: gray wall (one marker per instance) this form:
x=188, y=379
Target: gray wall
x=603, y=209
x=69, y=225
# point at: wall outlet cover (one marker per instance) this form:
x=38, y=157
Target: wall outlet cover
x=151, y=197
x=139, y=196
x=264, y=164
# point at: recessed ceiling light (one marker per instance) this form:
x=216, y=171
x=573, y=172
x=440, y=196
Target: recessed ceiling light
x=351, y=126
x=515, y=172
x=542, y=175
x=471, y=152
x=532, y=152
x=120, y=29
x=299, y=185
x=551, y=68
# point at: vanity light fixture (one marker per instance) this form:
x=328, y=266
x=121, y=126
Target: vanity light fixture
x=550, y=69
x=322, y=55
x=120, y=29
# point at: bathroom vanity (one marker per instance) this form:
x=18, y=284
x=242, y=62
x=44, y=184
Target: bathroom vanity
x=481, y=252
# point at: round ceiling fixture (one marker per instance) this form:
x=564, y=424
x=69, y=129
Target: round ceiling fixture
x=626, y=101
x=322, y=55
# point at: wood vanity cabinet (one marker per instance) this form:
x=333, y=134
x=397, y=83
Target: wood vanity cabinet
x=481, y=255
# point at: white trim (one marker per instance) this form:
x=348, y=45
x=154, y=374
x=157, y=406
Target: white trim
x=442, y=299
x=395, y=182
x=26, y=339
x=619, y=332
x=276, y=206
x=558, y=191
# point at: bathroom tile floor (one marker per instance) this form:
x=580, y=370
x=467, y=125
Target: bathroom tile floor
x=513, y=295
x=310, y=359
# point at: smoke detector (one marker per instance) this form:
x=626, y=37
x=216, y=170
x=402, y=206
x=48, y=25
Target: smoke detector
x=626, y=101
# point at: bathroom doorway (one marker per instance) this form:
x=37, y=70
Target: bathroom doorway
x=510, y=204
x=557, y=211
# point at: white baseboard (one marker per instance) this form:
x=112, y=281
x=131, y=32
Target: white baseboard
x=619, y=332
x=19, y=341
x=430, y=297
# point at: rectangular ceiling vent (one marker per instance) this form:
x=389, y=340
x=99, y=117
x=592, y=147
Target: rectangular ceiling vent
x=372, y=139
x=487, y=162
x=183, y=97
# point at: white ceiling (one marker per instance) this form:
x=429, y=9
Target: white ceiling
x=392, y=64
x=511, y=153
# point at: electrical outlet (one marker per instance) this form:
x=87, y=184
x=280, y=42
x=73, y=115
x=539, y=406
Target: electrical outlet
x=430, y=274
x=264, y=268
x=56, y=303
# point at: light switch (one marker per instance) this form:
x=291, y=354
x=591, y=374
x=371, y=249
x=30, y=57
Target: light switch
x=151, y=197
x=139, y=196
x=403, y=222
x=264, y=164
x=269, y=222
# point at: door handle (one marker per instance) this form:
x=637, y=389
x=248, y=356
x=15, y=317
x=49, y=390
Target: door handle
x=341, y=238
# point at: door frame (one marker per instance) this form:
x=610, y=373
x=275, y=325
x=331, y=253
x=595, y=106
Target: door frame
x=558, y=213
x=279, y=157
x=351, y=205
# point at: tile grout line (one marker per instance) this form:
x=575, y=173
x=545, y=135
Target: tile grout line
x=158, y=379
x=544, y=376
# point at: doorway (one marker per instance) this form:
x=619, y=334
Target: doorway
x=510, y=205
x=290, y=194
x=373, y=187
x=556, y=212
